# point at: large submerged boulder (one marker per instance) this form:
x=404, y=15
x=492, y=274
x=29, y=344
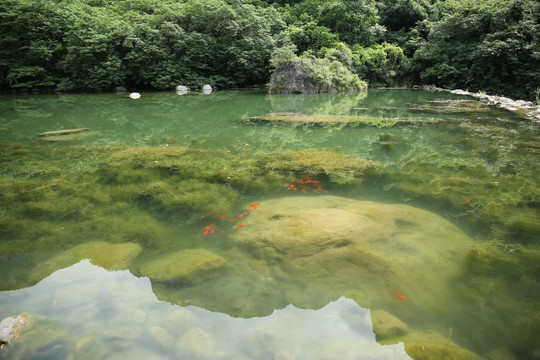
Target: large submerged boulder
x=337, y=245
x=101, y=253
x=187, y=266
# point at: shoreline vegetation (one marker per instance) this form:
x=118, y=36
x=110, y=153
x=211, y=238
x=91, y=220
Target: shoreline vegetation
x=489, y=45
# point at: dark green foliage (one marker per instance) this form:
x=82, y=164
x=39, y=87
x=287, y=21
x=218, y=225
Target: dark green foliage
x=31, y=42
x=379, y=65
x=101, y=44
x=479, y=45
x=402, y=14
x=331, y=70
x=492, y=45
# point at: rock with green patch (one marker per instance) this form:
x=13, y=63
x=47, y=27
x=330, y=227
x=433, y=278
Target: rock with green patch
x=189, y=266
x=430, y=351
x=387, y=326
x=41, y=338
x=87, y=347
x=334, y=245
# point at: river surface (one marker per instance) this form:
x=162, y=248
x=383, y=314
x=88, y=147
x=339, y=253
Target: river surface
x=183, y=226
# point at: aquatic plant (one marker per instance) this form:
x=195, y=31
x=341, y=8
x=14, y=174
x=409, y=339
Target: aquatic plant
x=321, y=120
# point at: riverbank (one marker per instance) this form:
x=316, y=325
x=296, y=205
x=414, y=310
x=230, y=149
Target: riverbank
x=524, y=108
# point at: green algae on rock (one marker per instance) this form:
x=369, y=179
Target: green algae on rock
x=386, y=326
x=292, y=118
x=338, y=244
x=187, y=266
x=101, y=253
x=41, y=338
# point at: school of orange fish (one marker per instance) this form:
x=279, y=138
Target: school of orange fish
x=211, y=229
x=306, y=184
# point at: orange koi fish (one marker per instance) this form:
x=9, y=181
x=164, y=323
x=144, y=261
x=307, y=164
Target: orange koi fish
x=242, y=214
x=239, y=225
x=253, y=206
x=399, y=296
x=321, y=190
x=467, y=202
x=231, y=220
x=222, y=217
x=210, y=229
x=209, y=214
x=300, y=181
x=292, y=187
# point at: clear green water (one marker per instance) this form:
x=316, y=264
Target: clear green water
x=150, y=169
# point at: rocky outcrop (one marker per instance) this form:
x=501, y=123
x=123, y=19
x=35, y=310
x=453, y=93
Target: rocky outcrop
x=294, y=79
x=521, y=107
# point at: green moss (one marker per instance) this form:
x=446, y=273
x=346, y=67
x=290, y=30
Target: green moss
x=322, y=120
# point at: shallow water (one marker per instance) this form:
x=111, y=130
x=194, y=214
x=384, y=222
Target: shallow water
x=149, y=171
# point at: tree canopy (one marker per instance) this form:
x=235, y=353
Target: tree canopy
x=479, y=45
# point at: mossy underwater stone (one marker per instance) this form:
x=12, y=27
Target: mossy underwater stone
x=430, y=351
x=41, y=338
x=101, y=253
x=387, y=326
x=185, y=266
x=334, y=244
x=87, y=347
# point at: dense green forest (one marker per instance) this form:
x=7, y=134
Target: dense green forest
x=480, y=45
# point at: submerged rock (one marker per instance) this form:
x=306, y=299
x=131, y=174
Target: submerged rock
x=42, y=338
x=185, y=266
x=430, y=351
x=197, y=343
x=101, y=253
x=87, y=347
x=334, y=244
x=387, y=326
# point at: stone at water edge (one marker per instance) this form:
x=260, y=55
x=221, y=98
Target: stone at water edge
x=10, y=327
x=135, y=95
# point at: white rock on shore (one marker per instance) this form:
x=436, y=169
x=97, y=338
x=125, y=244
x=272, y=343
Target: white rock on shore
x=10, y=327
x=522, y=107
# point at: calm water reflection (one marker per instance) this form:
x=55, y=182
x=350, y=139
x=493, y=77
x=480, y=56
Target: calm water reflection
x=135, y=193
x=119, y=314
